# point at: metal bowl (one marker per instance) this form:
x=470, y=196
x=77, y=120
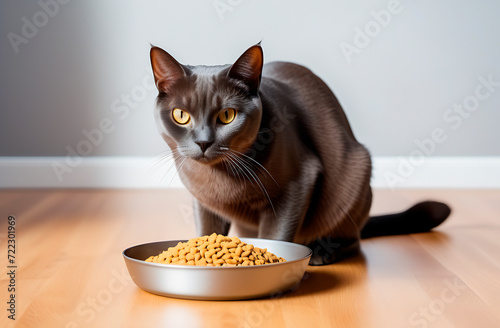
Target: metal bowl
x=218, y=283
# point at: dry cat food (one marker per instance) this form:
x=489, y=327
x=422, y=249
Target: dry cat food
x=215, y=250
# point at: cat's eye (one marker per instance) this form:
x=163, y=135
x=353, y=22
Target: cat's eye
x=227, y=115
x=180, y=116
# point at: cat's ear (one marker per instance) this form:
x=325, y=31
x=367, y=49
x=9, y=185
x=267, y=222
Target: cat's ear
x=248, y=68
x=166, y=69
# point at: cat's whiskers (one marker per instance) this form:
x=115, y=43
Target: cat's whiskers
x=171, y=165
x=160, y=159
x=171, y=161
x=227, y=164
x=242, y=169
x=236, y=171
x=255, y=177
x=254, y=161
x=166, y=160
x=160, y=164
x=247, y=163
x=156, y=160
x=177, y=171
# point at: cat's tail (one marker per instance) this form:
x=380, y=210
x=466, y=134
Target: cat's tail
x=421, y=217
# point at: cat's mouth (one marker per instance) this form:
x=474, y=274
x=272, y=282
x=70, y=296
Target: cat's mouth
x=204, y=159
x=211, y=156
x=208, y=158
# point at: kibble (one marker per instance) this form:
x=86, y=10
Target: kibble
x=215, y=250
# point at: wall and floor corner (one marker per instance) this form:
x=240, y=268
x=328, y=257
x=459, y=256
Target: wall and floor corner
x=419, y=81
x=142, y=172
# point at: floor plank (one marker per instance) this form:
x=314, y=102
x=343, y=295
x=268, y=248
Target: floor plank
x=71, y=272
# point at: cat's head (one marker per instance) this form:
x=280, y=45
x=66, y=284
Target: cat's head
x=203, y=111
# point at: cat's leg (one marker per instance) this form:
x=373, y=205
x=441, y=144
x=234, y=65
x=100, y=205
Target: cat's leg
x=344, y=241
x=208, y=222
x=328, y=250
x=291, y=209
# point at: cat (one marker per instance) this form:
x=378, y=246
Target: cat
x=268, y=150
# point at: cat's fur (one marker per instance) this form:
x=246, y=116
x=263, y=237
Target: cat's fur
x=288, y=167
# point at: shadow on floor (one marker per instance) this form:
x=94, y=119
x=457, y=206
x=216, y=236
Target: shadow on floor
x=322, y=279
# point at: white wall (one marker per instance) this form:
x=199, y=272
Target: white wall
x=82, y=61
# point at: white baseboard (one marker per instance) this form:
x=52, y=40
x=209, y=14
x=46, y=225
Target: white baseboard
x=138, y=172
x=436, y=172
x=90, y=172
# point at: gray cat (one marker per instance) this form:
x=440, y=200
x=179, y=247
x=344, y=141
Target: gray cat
x=268, y=150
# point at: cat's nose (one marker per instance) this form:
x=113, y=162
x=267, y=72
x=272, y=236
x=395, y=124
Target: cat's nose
x=204, y=145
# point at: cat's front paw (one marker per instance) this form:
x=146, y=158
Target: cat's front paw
x=329, y=250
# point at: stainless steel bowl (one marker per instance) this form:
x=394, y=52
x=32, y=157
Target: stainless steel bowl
x=218, y=283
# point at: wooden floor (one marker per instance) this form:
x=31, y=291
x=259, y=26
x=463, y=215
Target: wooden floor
x=71, y=272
